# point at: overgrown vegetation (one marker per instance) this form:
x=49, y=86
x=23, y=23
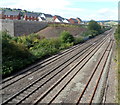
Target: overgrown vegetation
x=65, y=25
x=94, y=29
x=19, y=52
x=66, y=37
x=14, y=55
x=117, y=37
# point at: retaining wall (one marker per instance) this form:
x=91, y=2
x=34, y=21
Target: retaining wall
x=21, y=27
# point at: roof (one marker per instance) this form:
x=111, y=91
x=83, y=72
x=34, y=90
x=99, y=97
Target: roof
x=73, y=19
x=66, y=19
x=11, y=13
x=48, y=15
x=1, y=11
x=42, y=18
x=59, y=18
x=79, y=19
x=31, y=14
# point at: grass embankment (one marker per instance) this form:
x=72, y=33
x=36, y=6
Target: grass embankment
x=119, y=73
x=117, y=37
x=65, y=25
x=19, y=52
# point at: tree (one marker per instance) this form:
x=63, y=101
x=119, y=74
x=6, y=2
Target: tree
x=66, y=37
x=93, y=25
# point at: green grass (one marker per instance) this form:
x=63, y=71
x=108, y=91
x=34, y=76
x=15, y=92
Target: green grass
x=117, y=37
x=118, y=63
x=119, y=74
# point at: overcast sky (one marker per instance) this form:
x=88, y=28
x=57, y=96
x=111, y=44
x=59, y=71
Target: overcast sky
x=84, y=9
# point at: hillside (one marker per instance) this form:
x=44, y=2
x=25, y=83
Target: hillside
x=54, y=31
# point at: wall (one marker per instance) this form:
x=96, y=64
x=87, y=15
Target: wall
x=21, y=27
x=27, y=27
x=8, y=26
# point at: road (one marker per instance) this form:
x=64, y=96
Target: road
x=76, y=75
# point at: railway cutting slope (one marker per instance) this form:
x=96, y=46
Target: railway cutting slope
x=76, y=75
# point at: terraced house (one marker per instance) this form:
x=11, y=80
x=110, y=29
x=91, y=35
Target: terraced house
x=2, y=14
x=73, y=21
x=30, y=16
x=48, y=17
x=66, y=20
x=79, y=20
x=41, y=19
x=12, y=15
x=58, y=19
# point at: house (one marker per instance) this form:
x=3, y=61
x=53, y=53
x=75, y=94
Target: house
x=66, y=20
x=2, y=14
x=12, y=15
x=58, y=19
x=41, y=19
x=73, y=21
x=79, y=20
x=30, y=16
x=48, y=17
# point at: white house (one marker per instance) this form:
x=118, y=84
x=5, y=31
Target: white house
x=48, y=17
x=41, y=19
x=66, y=21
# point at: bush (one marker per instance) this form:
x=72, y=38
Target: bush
x=93, y=25
x=117, y=34
x=28, y=41
x=18, y=52
x=66, y=45
x=90, y=33
x=14, y=56
x=79, y=40
x=46, y=47
x=66, y=37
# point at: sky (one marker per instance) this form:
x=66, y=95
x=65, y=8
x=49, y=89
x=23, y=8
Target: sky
x=84, y=9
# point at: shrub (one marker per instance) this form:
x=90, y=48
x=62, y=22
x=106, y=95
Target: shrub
x=46, y=47
x=79, y=40
x=117, y=34
x=66, y=45
x=66, y=37
x=93, y=25
x=14, y=56
x=18, y=52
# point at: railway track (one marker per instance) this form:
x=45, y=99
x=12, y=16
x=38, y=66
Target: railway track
x=34, y=68
x=50, y=95
x=56, y=76
x=43, y=63
x=97, y=72
x=50, y=59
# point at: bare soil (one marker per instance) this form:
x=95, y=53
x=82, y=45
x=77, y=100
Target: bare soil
x=50, y=31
